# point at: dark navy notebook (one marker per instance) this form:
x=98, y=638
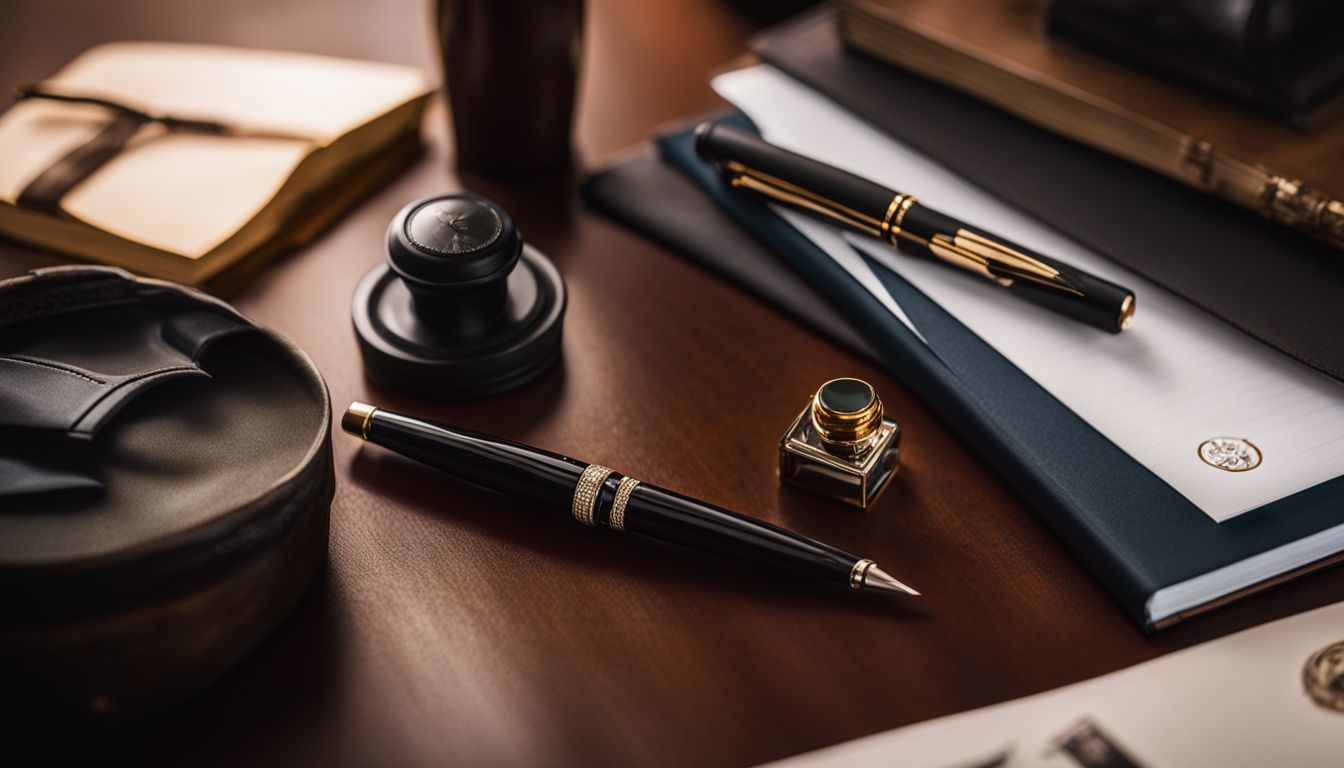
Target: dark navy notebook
x=1161, y=556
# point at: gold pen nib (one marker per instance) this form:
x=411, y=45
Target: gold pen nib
x=877, y=579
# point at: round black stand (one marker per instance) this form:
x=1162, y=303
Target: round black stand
x=451, y=333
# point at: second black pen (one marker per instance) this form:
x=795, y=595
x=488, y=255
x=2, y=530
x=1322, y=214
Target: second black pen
x=757, y=167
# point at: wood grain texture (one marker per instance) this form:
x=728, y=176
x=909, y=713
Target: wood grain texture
x=450, y=628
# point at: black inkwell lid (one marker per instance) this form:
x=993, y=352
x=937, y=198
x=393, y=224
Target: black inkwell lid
x=461, y=241
x=463, y=307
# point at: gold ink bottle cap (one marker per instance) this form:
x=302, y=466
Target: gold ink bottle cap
x=846, y=411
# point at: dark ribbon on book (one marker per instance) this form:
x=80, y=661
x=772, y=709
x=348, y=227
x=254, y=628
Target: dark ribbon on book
x=45, y=192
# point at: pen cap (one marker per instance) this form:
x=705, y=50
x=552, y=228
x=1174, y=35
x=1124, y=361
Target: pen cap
x=1071, y=292
x=850, y=200
x=1098, y=302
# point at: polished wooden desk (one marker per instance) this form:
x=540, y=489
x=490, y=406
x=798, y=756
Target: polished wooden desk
x=449, y=629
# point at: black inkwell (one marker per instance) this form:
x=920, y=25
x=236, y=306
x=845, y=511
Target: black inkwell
x=463, y=307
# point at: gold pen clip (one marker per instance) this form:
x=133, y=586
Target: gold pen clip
x=774, y=188
x=998, y=262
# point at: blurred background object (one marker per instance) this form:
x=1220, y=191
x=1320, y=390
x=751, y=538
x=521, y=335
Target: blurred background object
x=510, y=67
x=1282, y=58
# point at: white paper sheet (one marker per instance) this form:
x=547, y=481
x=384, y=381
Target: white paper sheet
x=1176, y=378
x=833, y=244
x=1237, y=701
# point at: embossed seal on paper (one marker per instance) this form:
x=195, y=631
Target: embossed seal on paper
x=1234, y=454
x=1323, y=677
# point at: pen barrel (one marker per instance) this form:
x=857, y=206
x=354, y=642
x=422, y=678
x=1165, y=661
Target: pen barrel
x=845, y=199
x=593, y=494
x=794, y=180
x=670, y=517
x=528, y=474
x=923, y=231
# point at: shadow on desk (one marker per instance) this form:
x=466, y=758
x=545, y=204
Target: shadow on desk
x=293, y=676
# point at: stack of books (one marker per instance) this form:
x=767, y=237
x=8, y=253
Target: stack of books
x=997, y=52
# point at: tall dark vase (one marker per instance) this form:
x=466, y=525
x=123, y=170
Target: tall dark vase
x=510, y=67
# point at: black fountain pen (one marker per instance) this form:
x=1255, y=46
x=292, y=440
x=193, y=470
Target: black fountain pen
x=597, y=496
x=839, y=197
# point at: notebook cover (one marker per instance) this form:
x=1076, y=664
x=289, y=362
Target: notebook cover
x=998, y=51
x=1279, y=287
x=1134, y=531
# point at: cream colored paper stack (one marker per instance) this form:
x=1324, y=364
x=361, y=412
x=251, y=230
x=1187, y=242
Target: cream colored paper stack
x=320, y=133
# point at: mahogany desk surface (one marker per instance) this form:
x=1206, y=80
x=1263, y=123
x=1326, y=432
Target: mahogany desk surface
x=448, y=628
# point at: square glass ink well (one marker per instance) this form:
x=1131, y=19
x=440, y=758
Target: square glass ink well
x=841, y=445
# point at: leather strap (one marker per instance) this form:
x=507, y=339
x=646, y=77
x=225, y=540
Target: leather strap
x=45, y=192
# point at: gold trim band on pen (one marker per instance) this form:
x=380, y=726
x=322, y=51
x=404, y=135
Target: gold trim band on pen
x=587, y=491
x=1126, y=313
x=891, y=222
x=859, y=573
x=357, y=418
x=623, y=491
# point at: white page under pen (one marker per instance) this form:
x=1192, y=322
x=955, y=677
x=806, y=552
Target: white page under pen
x=1158, y=390
x=832, y=244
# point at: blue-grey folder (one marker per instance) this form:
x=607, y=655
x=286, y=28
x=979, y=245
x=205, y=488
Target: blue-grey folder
x=1161, y=557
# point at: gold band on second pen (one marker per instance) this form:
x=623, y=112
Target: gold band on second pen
x=623, y=491
x=859, y=573
x=891, y=222
x=587, y=491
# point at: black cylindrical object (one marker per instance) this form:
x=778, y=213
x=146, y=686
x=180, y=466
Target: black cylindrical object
x=601, y=497
x=511, y=68
x=463, y=307
x=844, y=199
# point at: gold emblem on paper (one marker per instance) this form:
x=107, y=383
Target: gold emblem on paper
x=1234, y=454
x=1323, y=677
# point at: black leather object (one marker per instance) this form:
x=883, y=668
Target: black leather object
x=150, y=535
x=1280, y=57
x=66, y=373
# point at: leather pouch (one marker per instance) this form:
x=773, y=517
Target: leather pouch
x=165, y=479
x=1280, y=57
x=63, y=376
